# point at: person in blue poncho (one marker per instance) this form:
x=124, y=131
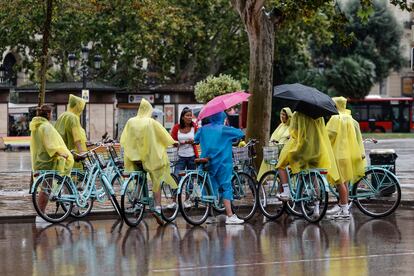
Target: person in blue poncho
x=216, y=143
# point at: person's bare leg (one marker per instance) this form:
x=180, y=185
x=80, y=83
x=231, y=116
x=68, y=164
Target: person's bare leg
x=227, y=206
x=343, y=193
x=42, y=201
x=283, y=179
x=157, y=198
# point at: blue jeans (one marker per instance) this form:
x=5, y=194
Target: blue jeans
x=184, y=163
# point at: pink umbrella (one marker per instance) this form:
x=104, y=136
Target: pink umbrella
x=222, y=103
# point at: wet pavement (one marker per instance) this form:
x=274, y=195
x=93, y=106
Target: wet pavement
x=15, y=167
x=361, y=246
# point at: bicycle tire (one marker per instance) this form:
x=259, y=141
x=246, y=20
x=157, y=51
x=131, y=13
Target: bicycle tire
x=133, y=196
x=270, y=206
x=169, y=194
x=369, y=204
x=192, y=207
x=52, y=179
x=244, y=195
x=321, y=195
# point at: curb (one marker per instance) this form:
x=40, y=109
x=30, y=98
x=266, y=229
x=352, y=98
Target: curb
x=102, y=215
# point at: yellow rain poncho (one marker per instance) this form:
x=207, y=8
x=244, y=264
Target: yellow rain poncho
x=69, y=127
x=346, y=142
x=45, y=145
x=144, y=139
x=281, y=135
x=308, y=146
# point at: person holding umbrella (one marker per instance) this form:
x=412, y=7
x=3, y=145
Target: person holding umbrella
x=347, y=150
x=307, y=148
x=216, y=141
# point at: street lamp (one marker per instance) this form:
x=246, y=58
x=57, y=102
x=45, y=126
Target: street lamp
x=84, y=70
x=2, y=73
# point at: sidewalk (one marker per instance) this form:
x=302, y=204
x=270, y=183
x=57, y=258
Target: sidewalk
x=16, y=202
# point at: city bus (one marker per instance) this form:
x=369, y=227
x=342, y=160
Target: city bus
x=378, y=114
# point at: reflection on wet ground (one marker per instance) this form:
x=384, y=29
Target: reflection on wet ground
x=288, y=246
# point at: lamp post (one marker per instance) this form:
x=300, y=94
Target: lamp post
x=2, y=74
x=84, y=71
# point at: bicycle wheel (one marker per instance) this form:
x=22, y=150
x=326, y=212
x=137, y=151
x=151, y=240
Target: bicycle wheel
x=169, y=206
x=313, y=193
x=269, y=204
x=378, y=193
x=244, y=202
x=293, y=207
x=49, y=196
x=193, y=207
x=77, y=211
x=132, y=204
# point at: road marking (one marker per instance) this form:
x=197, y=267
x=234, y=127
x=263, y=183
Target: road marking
x=281, y=262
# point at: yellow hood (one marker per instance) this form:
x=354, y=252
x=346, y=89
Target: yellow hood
x=289, y=114
x=36, y=122
x=145, y=109
x=76, y=104
x=340, y=103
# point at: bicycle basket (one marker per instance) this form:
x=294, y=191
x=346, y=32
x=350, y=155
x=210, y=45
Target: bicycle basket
x=240, y=154
x=271, y=153
x=172, y=153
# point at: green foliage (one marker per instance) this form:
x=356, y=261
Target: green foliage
x=351, y=76
x=215, y=86
x=181, y=41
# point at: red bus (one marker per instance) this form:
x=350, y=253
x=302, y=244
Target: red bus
x=377, y=114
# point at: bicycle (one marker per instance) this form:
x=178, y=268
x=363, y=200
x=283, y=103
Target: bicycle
x=135, y=196
x=196, y=194
x=378, y=193
x=308, y=188
x=63, y=192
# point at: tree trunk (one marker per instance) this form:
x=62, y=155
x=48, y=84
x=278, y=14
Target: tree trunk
x=261, y=33
x=45, y=48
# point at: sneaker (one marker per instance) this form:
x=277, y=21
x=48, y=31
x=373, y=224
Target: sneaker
x=333, y=210
x=187, y=204
x=156, y=213
x=316, y=212
x=234, y=220
x=284, y=196
x=211, y=220
x=172, y=205
x=342, y=214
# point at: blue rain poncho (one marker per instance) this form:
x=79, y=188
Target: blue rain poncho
x=216, y=143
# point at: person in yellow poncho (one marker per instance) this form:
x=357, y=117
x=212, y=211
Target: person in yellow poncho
x=47, y=149
x=69, y=127
x=144, y=139
x=279, y=136
x=347, y=145
x=307, y=148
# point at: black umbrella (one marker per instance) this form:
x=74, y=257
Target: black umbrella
x=305, y=99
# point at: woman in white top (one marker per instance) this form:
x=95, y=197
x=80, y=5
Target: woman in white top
x=184, y=133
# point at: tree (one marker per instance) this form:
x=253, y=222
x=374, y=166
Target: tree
x=215, y=86
x=261, y=21
x=45, y=49
x=351, y=76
